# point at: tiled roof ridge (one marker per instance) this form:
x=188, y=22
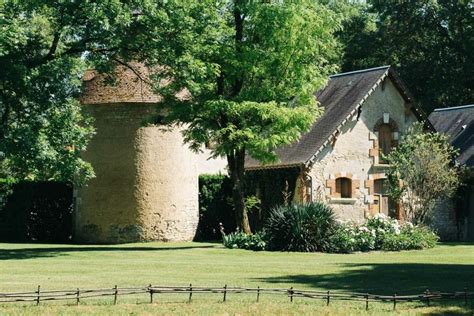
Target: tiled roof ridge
x=359, y=71
x=460, y=107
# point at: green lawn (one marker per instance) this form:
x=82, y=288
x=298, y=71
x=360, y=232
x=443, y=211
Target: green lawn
x=448, y=267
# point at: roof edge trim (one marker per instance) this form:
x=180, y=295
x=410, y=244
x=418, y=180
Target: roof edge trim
x=358, y=71
x=460, y=107
x=267, y=167
x=311, y=160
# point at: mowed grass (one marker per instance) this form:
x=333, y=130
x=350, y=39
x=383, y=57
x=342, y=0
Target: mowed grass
x=448, y=267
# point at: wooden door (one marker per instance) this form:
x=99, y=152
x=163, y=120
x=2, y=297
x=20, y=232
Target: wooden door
x=380, y=198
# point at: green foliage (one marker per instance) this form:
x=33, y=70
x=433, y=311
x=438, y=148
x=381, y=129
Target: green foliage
x=381, y=233
x=422, y=172
x=240, y=240
x=300, y=227
x=253, y=77
x=45, y=47
x=214, y=207
x=430, y=44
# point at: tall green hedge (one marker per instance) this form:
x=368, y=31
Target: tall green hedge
x=37, y=212
x=215, y=207
x=215, y=199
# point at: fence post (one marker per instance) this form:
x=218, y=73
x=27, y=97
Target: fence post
x=291, y=294
x=225, y=292
x=190, y=292
x=327, y=299
x=78, y=295
x=38, y=296
x=115, y=294
x=258, y=293
x=395, y=301
x=151, y=293
x=465, y=295
x=367, y=301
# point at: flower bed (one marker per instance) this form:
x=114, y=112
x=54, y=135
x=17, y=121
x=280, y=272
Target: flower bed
x=377, y=233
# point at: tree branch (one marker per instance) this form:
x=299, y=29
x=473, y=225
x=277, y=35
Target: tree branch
x=54, y=46
x=132, y=69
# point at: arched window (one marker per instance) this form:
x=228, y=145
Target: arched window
x=344, y=187
x=385, y=141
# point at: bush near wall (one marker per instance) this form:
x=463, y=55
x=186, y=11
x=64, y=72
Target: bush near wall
x=38, y=212
x=311, y=227
x=215, y=207
x=381, y=233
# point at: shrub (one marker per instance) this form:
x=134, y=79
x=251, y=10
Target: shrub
x=300, y=227
x=381, y=233
x=410, y=238
x=241, y=240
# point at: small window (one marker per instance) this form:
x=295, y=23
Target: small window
x=344, y=187
x=385, y=141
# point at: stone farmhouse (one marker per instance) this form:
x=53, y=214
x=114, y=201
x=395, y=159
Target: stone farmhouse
x=147, y=180
x=365, y=113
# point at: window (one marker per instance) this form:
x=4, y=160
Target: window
x=344, y=187
x=385, y=141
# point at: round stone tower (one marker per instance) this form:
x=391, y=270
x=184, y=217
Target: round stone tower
x=146, y=185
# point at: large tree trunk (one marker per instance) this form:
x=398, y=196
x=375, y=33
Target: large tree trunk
x=236, y=162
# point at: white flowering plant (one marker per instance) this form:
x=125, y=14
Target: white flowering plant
x=381, y=233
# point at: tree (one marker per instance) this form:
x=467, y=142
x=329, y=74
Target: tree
x=429, y=42
x=422, y=172
x=45, y=45
x=243, y=77
x=239, y=74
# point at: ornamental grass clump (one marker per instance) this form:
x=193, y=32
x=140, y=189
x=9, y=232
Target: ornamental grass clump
x=300, y=227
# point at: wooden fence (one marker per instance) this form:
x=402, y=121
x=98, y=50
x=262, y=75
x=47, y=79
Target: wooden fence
x=152, y=291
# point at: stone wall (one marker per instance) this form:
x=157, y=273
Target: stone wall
x=146, y=185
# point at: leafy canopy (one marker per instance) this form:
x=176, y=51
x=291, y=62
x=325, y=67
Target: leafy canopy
x=248, y=71
x=429, y=42
x=44, y=48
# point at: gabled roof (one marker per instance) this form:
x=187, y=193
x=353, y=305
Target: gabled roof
x=340, y=98
x=458, y=124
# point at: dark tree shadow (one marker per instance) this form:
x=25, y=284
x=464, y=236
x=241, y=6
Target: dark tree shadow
x=29, y=253
x=399, y=278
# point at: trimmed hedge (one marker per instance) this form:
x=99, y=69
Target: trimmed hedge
x=214, y=207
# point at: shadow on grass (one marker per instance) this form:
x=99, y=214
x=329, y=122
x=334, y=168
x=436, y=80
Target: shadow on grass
x=399, y=278
x=41, y=252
